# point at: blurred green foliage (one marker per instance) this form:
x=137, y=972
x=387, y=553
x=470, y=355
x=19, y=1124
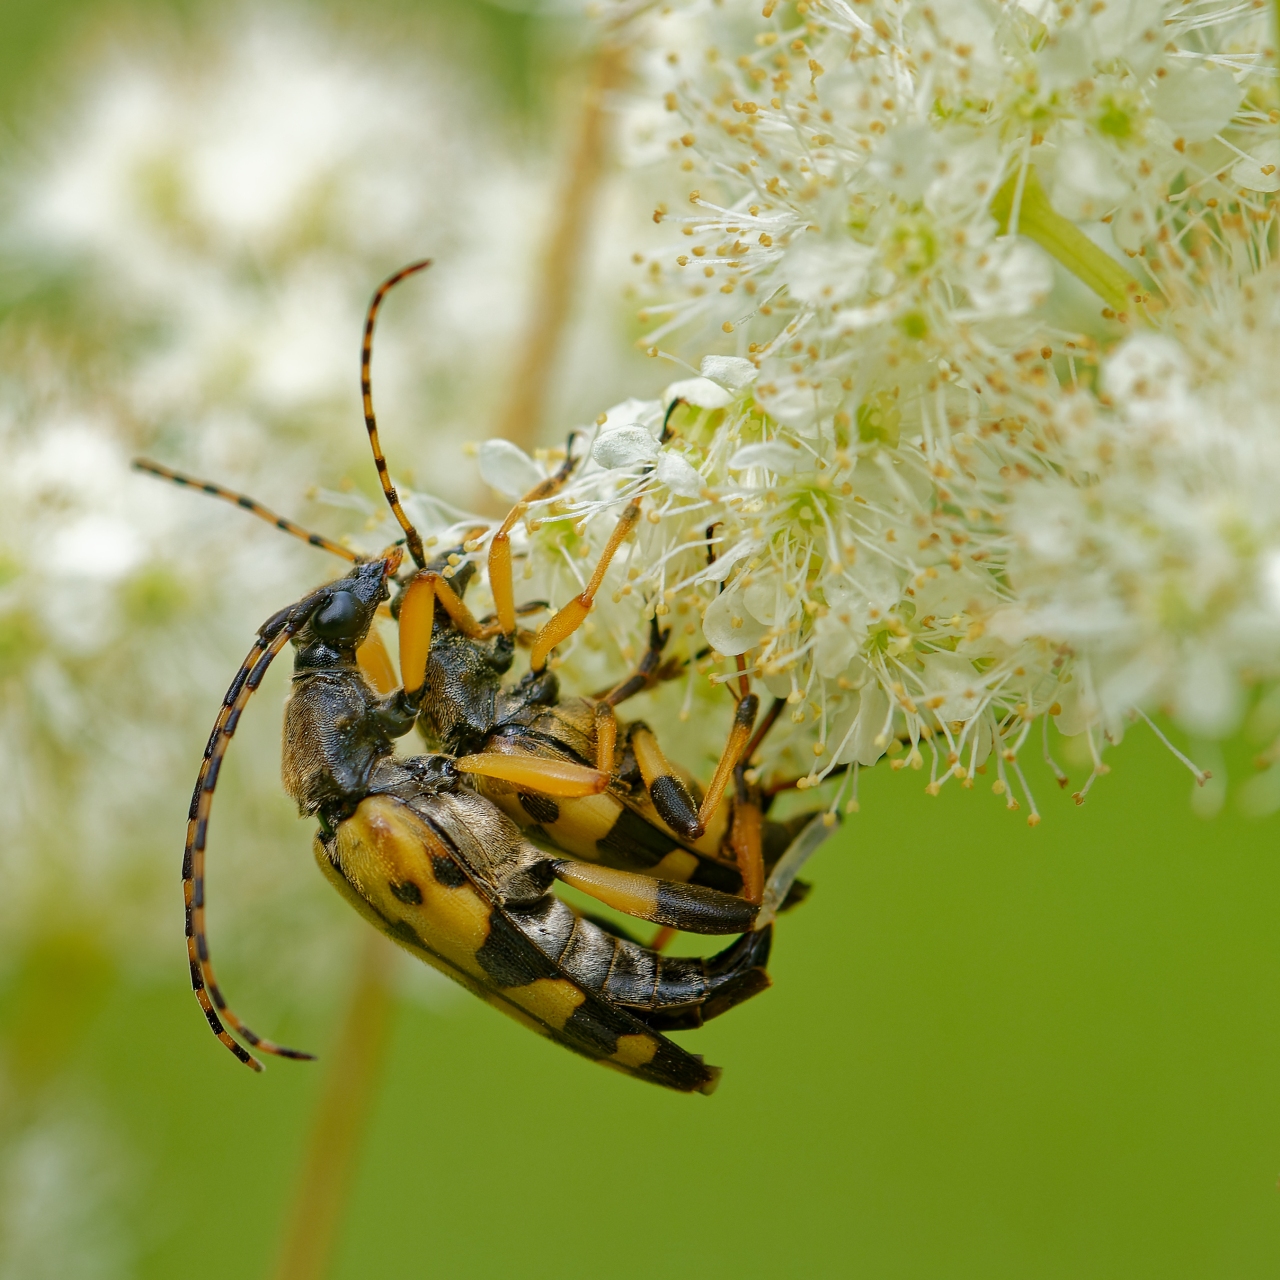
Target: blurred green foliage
x=49, y=1002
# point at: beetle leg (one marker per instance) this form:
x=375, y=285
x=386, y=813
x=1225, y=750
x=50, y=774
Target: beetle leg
x=459, y=614
x=762, y=730
x=648, y=672
x=564, y=623
x=606, y=726
x=396, y=712
x=745, y=838
x=417, y=620
x=376, y=663
x=669, y=795
x=550, y=777
x=744, y=719
x=501, y=580
x=690, y=907
x=663, y=938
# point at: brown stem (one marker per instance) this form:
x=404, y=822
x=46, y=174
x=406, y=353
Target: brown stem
x=563, y=258
x=311, y=1233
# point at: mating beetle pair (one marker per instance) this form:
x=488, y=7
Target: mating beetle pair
x=431, y=848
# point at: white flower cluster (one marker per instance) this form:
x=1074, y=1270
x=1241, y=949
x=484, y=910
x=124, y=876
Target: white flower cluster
x=978, y=435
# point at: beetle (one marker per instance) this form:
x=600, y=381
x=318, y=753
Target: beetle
x=440, y=869
x=525, y=749
x=645, y=817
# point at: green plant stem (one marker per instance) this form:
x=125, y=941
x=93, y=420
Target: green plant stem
x=311, y=1232
x=1062, y=239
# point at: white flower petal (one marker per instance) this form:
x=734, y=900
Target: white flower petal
x=952, y=677
x=1128, y=29
x=1261, y=171
x=729, y=627
x=1087, y=185
x=1078, y=710
x=719, y=569
x=773, y=455
x=698, y=391
x=1016, y=277
x=822, y=272
x=678, y=475
x=1011, y=625
x=507, y=468
x=778, y=684
x=1064, y=60
x=766, y=601
x=836, y=648
x=1197, y=103
x=633, y=412
x=904, y=160
x=1209, y=696
x=732, y=372
x=1147, y=368
x=624, y=447
x=873, y=712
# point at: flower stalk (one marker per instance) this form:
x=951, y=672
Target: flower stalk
x=563, y=259
x=1037, y=219
x=313, y=1229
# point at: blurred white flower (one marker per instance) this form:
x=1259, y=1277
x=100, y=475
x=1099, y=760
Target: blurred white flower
x=233, y=209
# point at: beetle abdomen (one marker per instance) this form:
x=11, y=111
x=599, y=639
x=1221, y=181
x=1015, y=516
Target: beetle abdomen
x=388, y=862
x=629, y=974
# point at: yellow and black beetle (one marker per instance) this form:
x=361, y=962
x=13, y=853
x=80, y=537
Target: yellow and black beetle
x=445, y=873
x=441, y=868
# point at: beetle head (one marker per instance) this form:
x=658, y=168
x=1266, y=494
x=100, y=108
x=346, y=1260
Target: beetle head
x=342, y=614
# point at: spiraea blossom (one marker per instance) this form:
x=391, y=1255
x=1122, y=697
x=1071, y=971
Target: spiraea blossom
x=976, y=305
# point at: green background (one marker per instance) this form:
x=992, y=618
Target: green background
x=990, y=1051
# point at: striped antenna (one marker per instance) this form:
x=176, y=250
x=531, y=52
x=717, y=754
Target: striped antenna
x=272, y=637
x=248, y=504
x=366, y=387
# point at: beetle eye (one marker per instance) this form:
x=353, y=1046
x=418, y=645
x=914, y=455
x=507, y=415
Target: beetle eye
x=337, y=617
